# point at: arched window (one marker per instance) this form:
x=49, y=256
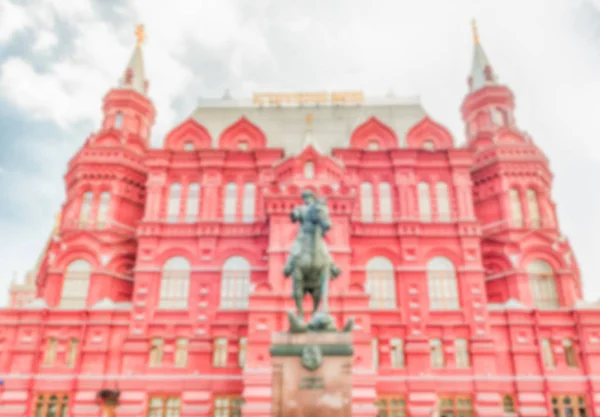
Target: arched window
x=366, y=201
x=542, y=284
x=443, y=201
x=381, y=283
x=188, y=146
x=103, y=207
x=175, y=283
x=235, y=283
x=428, y=145
x=515, y=208
x=497, y=117
x=192, y=203
x=424, y=202
x=443, y=289
x=76, y=284
x=119, y=120
x=309, y=170
x=229, y=210
x=85, y=210
x=385, y=202
x=249, y=202
x=243, y=145
x=533, y=208
x=174, y=203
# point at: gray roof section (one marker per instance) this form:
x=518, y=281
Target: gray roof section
x=137, y=82
x=285, y=125
x=480, y=63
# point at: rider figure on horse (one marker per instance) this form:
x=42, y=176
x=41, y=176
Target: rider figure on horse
x=309, y=219
x=311, y=266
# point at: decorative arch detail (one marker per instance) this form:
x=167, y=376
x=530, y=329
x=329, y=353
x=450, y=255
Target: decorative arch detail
x=428, y=131
x=188, y=132
x=243, y=135
x=169, y=253
x=74, y=253
x=542, y=252
x=495, y=263
x=375, y=135
x=107, y=138
x=443, y=252
x=507, y=135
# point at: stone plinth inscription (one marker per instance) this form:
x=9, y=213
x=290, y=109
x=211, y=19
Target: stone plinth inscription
x=312, y=375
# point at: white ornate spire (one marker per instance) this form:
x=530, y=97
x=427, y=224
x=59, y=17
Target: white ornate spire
x=482, y=73
x=134, y=77
x=309, y=138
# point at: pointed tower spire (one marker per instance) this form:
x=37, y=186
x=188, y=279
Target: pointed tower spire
x=309, y=138
x=481, y=72
x=134, y=77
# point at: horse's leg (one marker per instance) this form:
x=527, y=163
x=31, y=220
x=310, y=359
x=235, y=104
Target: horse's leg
x=299, y=293
x=317, y=292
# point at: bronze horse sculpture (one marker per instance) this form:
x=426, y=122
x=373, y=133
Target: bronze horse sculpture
x=311, y=266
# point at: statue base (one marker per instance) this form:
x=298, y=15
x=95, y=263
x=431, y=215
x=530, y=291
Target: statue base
x=320, y=322
x=312, y=374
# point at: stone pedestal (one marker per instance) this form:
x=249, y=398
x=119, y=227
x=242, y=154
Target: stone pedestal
x=312, y=374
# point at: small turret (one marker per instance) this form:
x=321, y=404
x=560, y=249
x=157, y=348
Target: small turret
x=127, y=108
x=489, y=106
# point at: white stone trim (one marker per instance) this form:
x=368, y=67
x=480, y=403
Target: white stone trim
x=200, y=269
x=529, y=378
x=113, y=377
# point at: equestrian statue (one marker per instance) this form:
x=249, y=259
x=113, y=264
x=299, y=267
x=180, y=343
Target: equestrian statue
x=311, y=266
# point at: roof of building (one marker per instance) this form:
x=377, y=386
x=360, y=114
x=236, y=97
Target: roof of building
x=285, y=126
x=481, y=69
x=134, y=77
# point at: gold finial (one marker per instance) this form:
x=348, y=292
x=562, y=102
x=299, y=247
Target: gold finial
x=309, y=121
x=140, y=34
x=475, y=33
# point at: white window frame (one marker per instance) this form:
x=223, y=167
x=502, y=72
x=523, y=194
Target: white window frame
x=381, y=283
x=174, y=284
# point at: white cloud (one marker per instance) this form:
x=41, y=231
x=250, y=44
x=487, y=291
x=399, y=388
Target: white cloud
x=45, y=41
x=308, y=45
x=13, y=19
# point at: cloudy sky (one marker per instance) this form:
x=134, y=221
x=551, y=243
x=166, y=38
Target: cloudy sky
x=59, y=57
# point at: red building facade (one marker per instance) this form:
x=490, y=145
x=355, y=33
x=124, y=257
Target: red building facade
x=161, y=285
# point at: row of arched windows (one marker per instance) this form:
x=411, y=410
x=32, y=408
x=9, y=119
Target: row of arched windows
x=230, y=208
x=442, y=285
x=380, y=284
x=441, y=281
x=383, y=201
x=191, y=208
x=175, y=278
x=533, y=208
x=102, y=212
x=442, y=199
